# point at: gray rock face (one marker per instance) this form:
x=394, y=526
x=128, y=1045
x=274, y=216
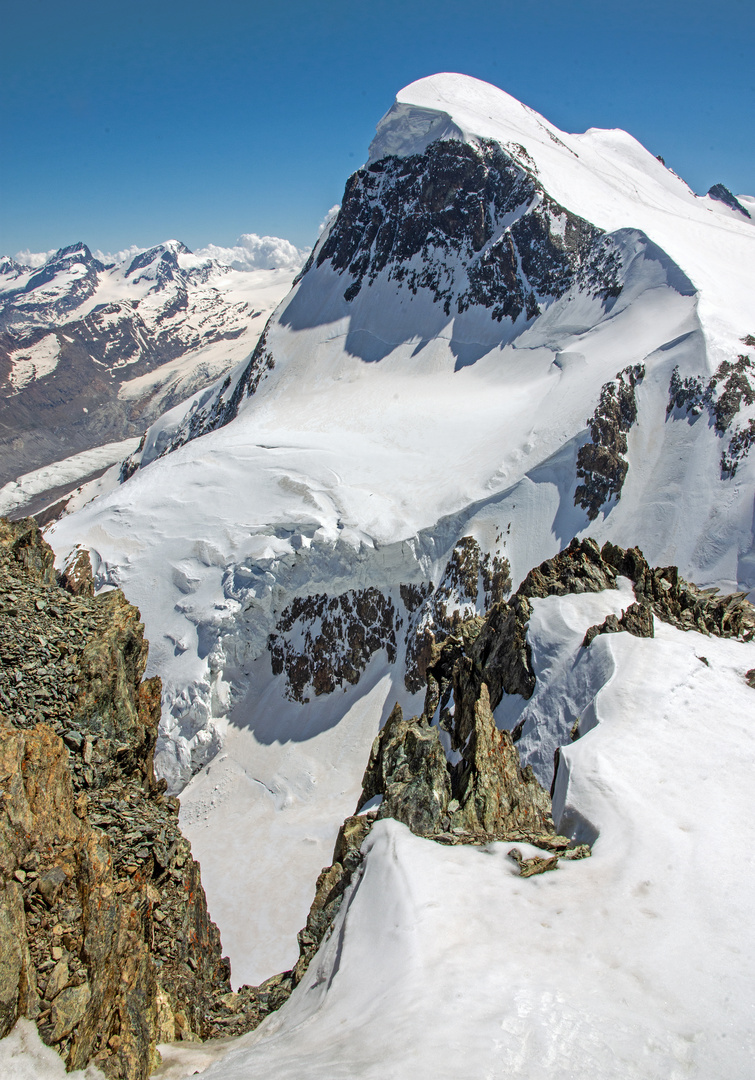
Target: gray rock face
x=601, y=463
x=458, y=194
x=722, y=194
x=335, y=638
x=723, y=396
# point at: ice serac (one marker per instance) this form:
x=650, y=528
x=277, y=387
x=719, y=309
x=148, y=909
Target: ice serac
x=489, y=353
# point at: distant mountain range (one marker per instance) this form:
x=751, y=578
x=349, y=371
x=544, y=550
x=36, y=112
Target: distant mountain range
x=91, y=352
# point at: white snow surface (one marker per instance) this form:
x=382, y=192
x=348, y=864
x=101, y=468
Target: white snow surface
x=23, y=1056
x=17, y=493
x=34, y=362
x=633, y=964
x=341, y=474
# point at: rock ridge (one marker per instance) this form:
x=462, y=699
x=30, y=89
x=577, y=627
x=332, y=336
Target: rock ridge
x=105, y=938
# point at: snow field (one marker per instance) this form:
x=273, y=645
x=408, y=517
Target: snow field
x=634, y=963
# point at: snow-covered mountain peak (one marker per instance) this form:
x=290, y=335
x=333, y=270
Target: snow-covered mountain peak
x=603, y=175
x=453, y=106
x=508, y=338
x=159, y=263
x=10, y=269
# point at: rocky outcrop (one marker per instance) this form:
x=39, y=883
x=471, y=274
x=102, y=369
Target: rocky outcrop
x=636, y=620
x=472, y=581
x=723, y=396
x=681, y=603
x=467, y=225
x=105, y=938
x=473, y=207
x=322, y=642
x=601, y=463
x=722, y=194
x=480, y=792
x=408, y=769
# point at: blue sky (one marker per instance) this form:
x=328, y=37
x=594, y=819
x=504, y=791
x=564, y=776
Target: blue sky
x=130, y=124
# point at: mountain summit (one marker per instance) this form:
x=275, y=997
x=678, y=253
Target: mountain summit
x=508, y=339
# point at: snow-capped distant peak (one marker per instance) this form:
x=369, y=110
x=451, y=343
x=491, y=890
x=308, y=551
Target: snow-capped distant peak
x=166, y=253
x=9, y=268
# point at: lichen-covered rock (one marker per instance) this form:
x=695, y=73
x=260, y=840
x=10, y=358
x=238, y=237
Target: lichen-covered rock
x=21, y=552
x=329, y=891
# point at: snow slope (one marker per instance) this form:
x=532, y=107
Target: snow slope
x=386, y=414
x=635, y=963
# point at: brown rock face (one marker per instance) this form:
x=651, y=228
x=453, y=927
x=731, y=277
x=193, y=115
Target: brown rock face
x=495, y=794
x=105, y=938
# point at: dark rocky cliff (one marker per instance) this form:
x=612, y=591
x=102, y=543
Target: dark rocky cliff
x=105, y=938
